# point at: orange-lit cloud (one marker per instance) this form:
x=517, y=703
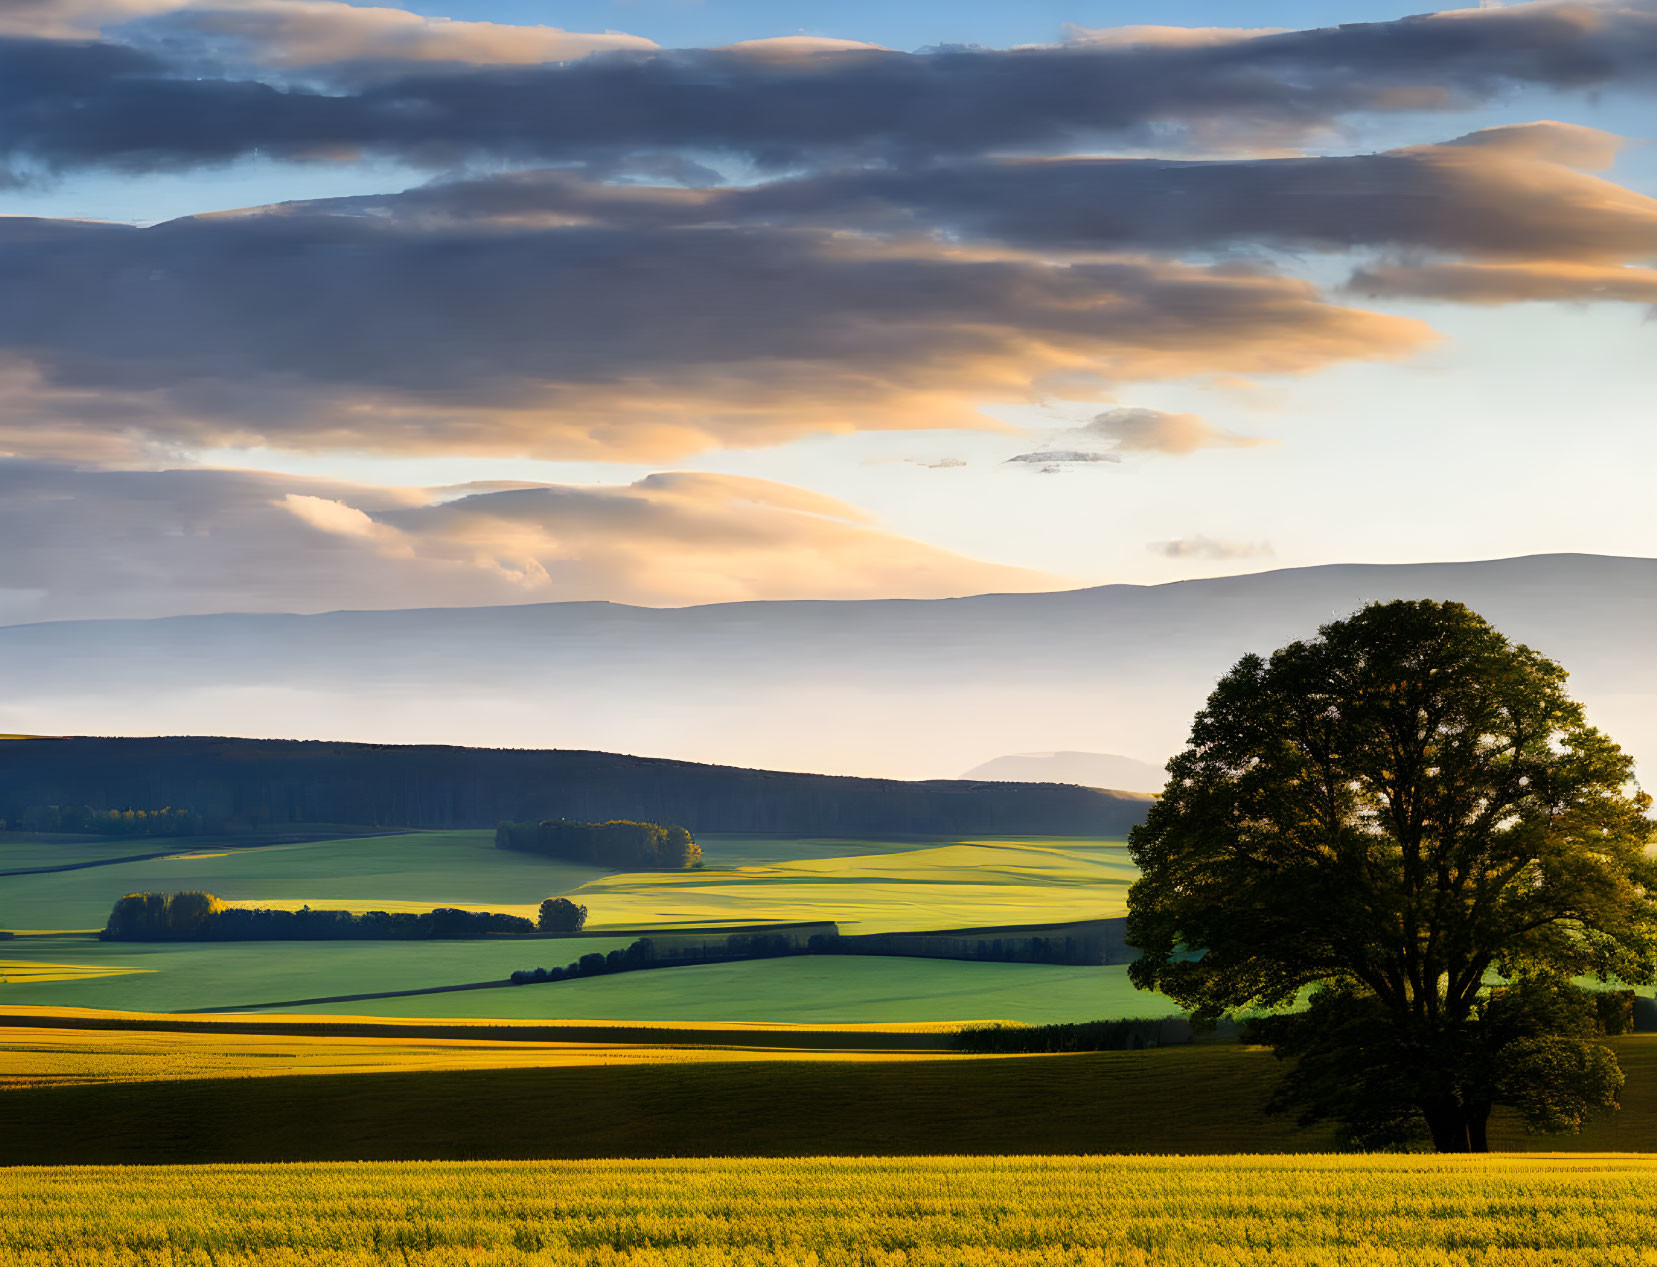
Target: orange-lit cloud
x=307, y=33
x=143, y=543
x=1510, y=283
x=314, y=331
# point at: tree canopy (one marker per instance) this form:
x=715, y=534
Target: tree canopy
x=1407, y=821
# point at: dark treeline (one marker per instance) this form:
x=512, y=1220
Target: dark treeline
x=1123, y=1035
x=643, y=954
x=268, y=783
x=619, y=844
x=83, y=820
x=194, y=916
x=1083, y=942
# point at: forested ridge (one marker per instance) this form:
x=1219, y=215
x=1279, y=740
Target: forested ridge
x=260, y=783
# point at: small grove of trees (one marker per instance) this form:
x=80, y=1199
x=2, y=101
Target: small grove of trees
x=560, y=915
x=196, y=916
x=617, y=844
x=86, y=821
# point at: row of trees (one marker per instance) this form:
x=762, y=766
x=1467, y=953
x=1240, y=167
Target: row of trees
x=642, y=954
x=1122, y=1035
x=86, y=821
x=618, y=844
x=196, y=916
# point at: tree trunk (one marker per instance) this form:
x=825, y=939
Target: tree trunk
x=1447, y=1121
x=1478, y=1122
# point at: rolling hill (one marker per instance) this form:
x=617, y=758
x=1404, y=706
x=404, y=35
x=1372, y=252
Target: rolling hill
x=265, y=783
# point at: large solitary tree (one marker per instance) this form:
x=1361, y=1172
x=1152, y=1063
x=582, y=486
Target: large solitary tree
x=1407, y=825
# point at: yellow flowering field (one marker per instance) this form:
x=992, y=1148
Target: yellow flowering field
x=1394, y=1211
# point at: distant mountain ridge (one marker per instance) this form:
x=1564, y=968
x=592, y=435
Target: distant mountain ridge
x=273, y=783
x=907, y=688
x=1088, y=769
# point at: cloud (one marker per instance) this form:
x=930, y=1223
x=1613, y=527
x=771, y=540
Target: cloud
x=83, y=542
x=332, y=516
x=1058, y=456
x=777, y=106
x=1152, y=431
x=313, y=33
x=1509, y=283
x=1511, y=191
x=303, y=33
x=300, y=329
x=1115, y=432
x=1200, y=547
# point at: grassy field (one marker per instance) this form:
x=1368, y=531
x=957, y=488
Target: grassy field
x=1191, y=1100
x=886, y=1212
x=183, y=976
x=20, y=851
x=969, y=883
x=430, y=868
x=870, y=886
x=812, y=988
x=865, y=885
x=1177, y=1099
x=58, y=1054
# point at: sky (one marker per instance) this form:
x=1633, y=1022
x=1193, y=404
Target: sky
x=311, y=305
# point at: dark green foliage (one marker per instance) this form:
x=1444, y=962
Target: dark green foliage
x=202, y=917
x=83, y=820
x=642, y=954
x=1392, y=815
x=560, y=915
x=1533, y=1045
x=591, y=965
x=618, y=844
x=1123, y=1035
x=138, y=917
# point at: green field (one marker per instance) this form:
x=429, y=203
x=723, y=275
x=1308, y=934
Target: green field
x=182, y=976
x=863, y=885
x=873, y=1212
x=963, y=884
x=460, y=868
x=869, y=886
x=19, y=851
x=829, y=989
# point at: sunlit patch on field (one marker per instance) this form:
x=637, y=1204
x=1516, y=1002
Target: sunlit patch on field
x=986, y=882
x=915, y=1211
x=29, y=972
x=61, y=1048
x=47, y=1057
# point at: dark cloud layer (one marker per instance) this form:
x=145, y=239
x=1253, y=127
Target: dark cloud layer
x=104, y=105
x=1523, y=191
x=305, y=329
